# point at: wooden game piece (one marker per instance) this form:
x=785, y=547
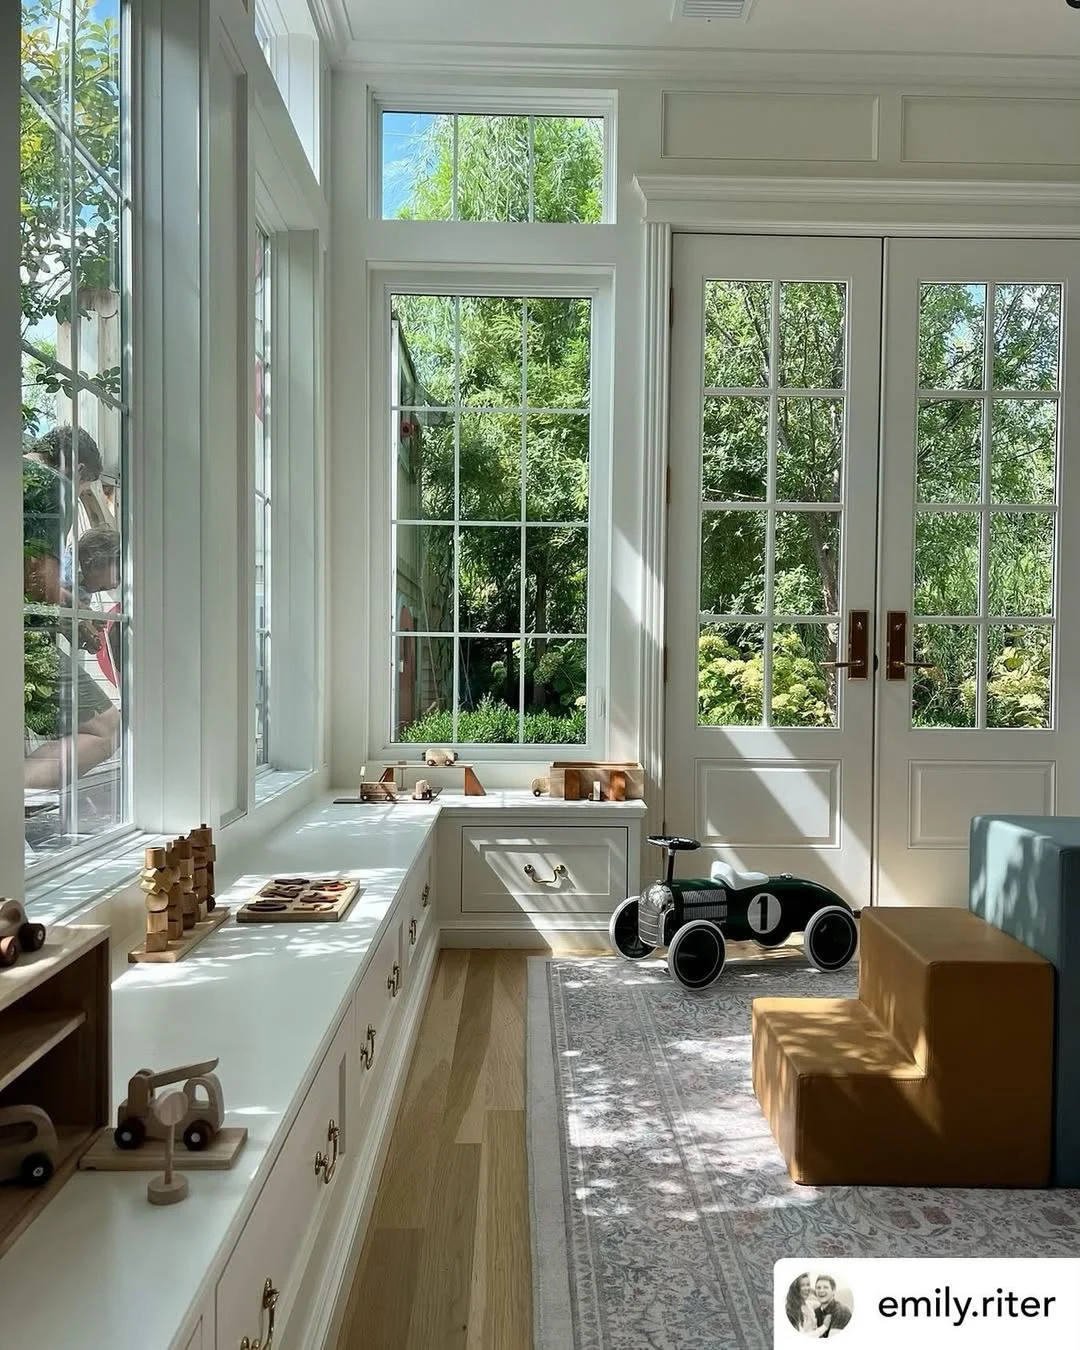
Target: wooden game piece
x=157, y=881
x=188, y=903
x=326, y=899
x=172, y=1186
x=202, y=841
x=176, y=899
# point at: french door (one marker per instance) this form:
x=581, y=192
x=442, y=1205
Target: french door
x=865, y=640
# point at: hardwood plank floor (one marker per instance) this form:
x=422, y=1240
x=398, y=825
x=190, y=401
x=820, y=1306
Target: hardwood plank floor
x=446, y=1262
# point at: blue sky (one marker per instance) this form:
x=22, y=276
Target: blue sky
x=400, y=133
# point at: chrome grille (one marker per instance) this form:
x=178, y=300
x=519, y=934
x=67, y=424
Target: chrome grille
x=653, y=905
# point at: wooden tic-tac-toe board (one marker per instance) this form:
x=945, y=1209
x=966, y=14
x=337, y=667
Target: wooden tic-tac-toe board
x=300, y=900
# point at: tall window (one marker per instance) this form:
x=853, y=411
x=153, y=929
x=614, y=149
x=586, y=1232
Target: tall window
x=75, y=381
x=490, y=446
x=262, y=497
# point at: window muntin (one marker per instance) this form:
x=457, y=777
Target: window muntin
x=75, y=222
x=263, y=511
x=491, y=167
x=490, y=452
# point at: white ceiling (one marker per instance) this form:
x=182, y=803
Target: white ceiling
x=1032, y=28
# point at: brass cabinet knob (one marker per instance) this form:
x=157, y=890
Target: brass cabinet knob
x=559, y=871
x=269, y=1303
x=327, y=1166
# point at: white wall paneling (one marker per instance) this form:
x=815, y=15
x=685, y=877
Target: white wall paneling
x=744, y=125
x=1004, y=132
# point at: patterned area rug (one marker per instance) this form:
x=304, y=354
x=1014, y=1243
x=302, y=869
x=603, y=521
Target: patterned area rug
x=659, y=1199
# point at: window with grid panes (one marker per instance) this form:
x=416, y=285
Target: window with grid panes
x=263, y=513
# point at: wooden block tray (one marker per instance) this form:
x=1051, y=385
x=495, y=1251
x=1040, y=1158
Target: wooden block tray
x=301, y=900
x=178, y=949
x=219, y=1154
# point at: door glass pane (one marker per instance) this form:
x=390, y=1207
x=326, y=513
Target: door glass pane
x=806, y=579
x=1027, y=336
x=1021, y=562
x=804, y=690
x=1023, y=444
x=1018, y=666
x=737, y=334
x=952, y=328
x=809, y=449
x=949, y=452
x=812, y=334
x=945, y=694
x=947, y=563
x=731, y=675
x=733, y=562
x=735, y=449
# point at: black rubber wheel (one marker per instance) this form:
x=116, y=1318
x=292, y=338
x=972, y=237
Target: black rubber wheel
x=697, y=954
x=197, y=1136
x=32, y=937
x=130, y=1133
x=831, y=938
x=36, y=1169
x=623, y=931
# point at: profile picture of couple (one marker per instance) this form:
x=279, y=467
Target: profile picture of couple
x=815, y=1307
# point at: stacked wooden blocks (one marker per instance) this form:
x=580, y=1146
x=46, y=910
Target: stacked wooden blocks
x=178, y=880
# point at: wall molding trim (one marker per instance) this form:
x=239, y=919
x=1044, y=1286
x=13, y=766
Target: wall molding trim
x=916, y=69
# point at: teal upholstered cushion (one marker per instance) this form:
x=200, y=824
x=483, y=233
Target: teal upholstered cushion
x=1025, y=879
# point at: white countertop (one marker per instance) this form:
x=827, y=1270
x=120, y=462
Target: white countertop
x=101, y=1269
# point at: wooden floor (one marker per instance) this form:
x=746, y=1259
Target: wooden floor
x=446, y=1261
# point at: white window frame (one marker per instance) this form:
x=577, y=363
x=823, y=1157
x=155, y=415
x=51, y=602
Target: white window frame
x=295, y=61
x=264, y=500
x=596, y=283
x=495, y=102
x=115, y=836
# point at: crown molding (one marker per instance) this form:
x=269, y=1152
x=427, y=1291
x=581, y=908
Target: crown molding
x=332, y=20
x=455, y=59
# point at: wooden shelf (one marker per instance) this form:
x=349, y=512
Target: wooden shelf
x=25, y=1037
x=19, y=1205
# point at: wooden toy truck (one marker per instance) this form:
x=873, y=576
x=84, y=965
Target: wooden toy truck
x=17, y=934
x=136, y=1120
x=28, y=1145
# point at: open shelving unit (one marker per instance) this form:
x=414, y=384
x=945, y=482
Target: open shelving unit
x=54, y=1054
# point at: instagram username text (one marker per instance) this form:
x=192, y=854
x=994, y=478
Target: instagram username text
x=957, y=1309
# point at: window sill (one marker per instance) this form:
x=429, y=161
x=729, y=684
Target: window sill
x=103, y=889
x=270, y=783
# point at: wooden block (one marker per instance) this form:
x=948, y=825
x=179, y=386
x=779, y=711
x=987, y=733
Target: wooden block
x=571, y=785
x=617, y=785
x=155, y=858
x=473, y=785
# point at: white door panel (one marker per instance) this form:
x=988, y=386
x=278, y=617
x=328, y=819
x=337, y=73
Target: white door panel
x=774, y=452
x=977, y=497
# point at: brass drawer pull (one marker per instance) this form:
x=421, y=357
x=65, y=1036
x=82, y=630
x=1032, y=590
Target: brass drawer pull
x=324, y=1165
x=269, y=1303
x=425, y=898
x=559, y=870
x=393, y=980
x=412, y=932
x=367, y=1050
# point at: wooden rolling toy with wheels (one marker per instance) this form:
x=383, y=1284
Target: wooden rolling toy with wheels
x=137, y=1119
x=17, y=933
x=694, y=918
x=28, y=1145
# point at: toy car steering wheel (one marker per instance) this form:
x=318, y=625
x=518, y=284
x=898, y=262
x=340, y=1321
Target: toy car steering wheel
x=674, y=843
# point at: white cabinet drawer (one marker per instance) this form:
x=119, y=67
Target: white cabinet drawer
x=281, y=1228
x=576, y=870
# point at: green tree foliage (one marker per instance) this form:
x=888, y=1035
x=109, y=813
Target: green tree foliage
x=69, y=217
x=809, y=439
x=521, y=376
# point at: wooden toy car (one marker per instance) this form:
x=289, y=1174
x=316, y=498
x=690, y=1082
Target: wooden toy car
x=136, y=1120
x=437, y=758
x=695, y=917
x=28, y=1145
x=17, y=933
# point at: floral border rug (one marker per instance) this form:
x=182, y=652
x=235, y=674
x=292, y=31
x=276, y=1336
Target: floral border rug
x=659, y=1199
